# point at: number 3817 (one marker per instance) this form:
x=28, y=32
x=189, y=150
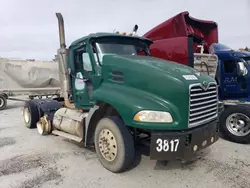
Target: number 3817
x=165, y=145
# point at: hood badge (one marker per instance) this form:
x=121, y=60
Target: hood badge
x=205, y=85
x=190, y=77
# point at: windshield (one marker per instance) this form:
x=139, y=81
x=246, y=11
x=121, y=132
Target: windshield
x=119, y=46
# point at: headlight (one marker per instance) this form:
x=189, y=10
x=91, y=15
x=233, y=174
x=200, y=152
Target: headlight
x=153, y=116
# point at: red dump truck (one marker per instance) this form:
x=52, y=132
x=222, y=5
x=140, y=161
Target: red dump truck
x=183, y=38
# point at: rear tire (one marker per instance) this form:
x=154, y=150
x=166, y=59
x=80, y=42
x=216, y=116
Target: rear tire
x=30, y=115
x=235, y=123
x=114, y=144
x=3, y=102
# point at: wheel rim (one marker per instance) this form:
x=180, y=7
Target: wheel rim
x=107, y=145
x=40, y=127
x=43, y=125
x=26, y=115
x=238, y=124
x=1, y=102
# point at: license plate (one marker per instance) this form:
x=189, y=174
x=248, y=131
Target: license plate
x=167, y=145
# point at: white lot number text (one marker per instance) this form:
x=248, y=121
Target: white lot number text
x=165, y=145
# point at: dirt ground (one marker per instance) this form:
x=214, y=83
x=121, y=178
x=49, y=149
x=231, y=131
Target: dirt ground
x=29, y=160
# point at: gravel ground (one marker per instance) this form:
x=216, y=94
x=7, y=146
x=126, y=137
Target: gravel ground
x=29, y=160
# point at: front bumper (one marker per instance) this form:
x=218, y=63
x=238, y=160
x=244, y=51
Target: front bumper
x=181, y=145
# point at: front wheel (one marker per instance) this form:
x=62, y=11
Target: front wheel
x=235, y=123
x=114, y=144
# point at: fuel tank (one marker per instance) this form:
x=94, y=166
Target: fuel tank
x=69, y=121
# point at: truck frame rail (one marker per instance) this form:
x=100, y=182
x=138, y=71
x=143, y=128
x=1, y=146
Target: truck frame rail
x=16, y=93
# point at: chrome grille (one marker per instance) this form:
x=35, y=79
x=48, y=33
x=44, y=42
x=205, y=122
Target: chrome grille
x=203, y=104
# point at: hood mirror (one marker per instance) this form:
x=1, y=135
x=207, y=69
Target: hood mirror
x=241, y=69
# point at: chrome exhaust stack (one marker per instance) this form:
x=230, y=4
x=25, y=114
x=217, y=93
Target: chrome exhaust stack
x=61, y=30
x=135, y=29
x=62, y=54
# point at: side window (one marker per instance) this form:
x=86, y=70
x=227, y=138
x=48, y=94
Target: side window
x=87, y=66
x=82, y=60
x=229, y=66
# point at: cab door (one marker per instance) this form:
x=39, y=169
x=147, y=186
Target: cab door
x=82, y=79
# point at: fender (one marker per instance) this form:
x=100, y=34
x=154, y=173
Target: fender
x=128, y=101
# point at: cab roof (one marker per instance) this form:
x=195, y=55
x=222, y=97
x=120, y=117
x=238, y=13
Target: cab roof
x=99, y=35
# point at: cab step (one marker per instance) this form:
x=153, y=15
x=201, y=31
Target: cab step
x=67, y=135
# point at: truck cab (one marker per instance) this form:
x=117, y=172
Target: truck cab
x=233, y=68
x=86, y=57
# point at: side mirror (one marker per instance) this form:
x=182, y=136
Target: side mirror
x=241, y=69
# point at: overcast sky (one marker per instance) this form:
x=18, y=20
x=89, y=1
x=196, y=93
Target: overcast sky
x=29, y=27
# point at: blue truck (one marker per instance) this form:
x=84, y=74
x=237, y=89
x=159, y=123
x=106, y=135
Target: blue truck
x=233, y=78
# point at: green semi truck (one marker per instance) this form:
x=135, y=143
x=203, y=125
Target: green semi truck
x=113, y=98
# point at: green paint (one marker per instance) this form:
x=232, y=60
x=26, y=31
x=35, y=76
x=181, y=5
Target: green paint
x=148, y=83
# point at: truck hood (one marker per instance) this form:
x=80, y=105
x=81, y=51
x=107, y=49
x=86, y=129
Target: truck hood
x=147, y=65
x=163, y=84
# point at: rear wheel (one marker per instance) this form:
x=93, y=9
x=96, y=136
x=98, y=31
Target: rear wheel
x=30, y=115
x=3, y=102
x=235, y=123
x=114, y=144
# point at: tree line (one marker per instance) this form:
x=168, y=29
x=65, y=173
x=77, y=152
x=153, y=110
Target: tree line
x=244, y=49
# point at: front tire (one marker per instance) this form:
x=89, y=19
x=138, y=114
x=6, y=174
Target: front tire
x=235, y=123
x=114, y=144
